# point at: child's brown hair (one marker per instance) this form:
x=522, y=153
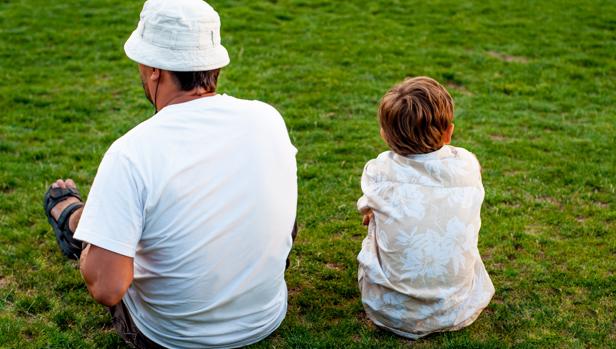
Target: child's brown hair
x=414, y=115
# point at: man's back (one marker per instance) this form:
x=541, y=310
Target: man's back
x=210, y=187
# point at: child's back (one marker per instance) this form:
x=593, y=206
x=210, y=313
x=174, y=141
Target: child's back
x=419, y=267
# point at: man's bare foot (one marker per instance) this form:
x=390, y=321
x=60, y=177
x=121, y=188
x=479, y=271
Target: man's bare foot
x=60, y=206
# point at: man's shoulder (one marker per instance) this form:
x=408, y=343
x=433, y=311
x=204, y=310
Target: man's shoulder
x=131, y=140
x=248, y=104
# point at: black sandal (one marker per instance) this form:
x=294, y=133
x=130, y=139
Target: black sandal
x=70, y=247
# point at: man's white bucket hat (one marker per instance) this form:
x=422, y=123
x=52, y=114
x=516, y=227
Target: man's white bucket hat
x=177, y=35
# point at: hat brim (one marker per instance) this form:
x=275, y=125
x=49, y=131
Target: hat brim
x=183, y=60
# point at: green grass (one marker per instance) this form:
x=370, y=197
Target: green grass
x=535, y=90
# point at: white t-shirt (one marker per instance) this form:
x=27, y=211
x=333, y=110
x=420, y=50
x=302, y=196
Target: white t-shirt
x=203, y=195
x=419, y=267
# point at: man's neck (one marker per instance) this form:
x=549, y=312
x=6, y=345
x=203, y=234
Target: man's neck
x=185, y=97
x=182, y=97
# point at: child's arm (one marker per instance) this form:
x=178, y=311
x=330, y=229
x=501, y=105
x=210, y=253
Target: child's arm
x=367, y=217
x=365, y=210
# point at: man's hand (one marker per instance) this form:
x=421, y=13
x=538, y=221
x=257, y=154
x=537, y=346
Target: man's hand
x=107, y=274
x=73, y=220
x=367, y=217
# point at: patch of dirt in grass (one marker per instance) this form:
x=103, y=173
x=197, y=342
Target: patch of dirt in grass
x=294, y=291
x=458, y=87
x=534, y=229
x=543, y=231
x=498, y=138
x=6, y=189
x=4, y=282
x=363, y=319
x=512, y=205
x=497, y=300
x=507, y=58
x=334, y=266
x=488, y=309
x=513, y=173
x=28, y=334
x=601, y=204
x=487, y=253
x=550, y=200
x=493, y=266
x=334, y=322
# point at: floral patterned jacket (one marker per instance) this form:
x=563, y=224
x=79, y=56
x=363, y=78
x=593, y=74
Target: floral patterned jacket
x=419, y=267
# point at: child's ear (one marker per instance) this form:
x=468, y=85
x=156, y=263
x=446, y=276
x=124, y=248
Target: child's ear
x=383, y=135
x=448, y=133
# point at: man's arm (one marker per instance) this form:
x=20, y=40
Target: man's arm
x=107, y=274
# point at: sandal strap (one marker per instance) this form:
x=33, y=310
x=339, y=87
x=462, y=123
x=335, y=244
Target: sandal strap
x=56, y=195
x=66, y=214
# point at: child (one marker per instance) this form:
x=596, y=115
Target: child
x=419, y=268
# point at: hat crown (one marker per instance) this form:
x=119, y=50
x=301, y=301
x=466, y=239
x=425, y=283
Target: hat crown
x=180, y=35
x=180, y=24
x=178, y=13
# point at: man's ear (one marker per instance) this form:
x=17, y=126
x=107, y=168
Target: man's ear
x=155, y=75
x=448, y=133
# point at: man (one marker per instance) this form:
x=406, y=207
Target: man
x=187, y=225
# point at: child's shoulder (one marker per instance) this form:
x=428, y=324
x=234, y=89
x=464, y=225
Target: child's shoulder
x=463, y=154
x=383, y=158
x=382, y=161
x=462, y=166
x=379, y=168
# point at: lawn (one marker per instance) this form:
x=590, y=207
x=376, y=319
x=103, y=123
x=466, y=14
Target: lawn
x=535, y=90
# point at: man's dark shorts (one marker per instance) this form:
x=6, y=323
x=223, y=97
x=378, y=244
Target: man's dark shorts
x=125, y=327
